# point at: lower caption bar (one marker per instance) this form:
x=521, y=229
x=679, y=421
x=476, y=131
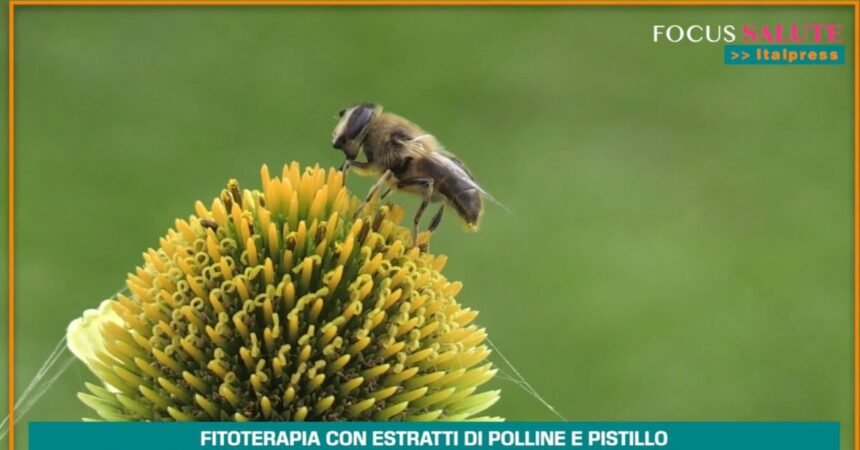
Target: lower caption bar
x=460, y=435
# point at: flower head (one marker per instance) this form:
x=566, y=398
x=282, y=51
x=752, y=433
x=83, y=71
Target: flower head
x=278, y=305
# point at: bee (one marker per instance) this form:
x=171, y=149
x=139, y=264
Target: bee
x=407, y=158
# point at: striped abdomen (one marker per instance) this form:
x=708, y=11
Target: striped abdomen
x=456, y=186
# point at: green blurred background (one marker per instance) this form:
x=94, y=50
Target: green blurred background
x=679, y=246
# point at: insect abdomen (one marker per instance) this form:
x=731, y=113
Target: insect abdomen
x=456, y=186
x=467, y=201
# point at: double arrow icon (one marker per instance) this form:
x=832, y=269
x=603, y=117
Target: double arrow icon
x=743, y=55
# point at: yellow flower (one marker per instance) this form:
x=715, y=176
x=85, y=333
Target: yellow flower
x=278, y=305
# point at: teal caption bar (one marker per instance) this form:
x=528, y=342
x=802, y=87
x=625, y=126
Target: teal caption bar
x=460, y=435
x=789, y=55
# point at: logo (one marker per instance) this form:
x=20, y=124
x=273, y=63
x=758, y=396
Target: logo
x=763, y=44
x=694, y=33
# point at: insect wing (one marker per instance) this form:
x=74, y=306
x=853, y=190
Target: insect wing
x=457, y=167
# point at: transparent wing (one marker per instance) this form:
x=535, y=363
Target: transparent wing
x=456, y=166
x=428, y=146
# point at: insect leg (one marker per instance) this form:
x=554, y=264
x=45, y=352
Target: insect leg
x=425, y=184
x=382, y=181
x=437, y=219
x=349, y=163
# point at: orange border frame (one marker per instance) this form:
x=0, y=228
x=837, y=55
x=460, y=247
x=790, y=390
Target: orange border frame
x=11, y=200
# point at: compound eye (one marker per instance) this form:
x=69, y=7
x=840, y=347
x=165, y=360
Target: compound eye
x=358, y=119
